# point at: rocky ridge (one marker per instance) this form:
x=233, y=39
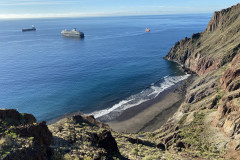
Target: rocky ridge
x=78, y=137
x=211, y=106
x=211, y=49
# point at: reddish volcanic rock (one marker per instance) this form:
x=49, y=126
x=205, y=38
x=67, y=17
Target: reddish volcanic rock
x=228, y=116
x=231, y=77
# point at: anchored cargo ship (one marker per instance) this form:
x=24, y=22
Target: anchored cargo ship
x=29, y=29
x=72, y=33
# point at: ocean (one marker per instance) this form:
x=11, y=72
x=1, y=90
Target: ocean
x=116, y=66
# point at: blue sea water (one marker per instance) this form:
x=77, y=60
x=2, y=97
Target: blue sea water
x=116, y=66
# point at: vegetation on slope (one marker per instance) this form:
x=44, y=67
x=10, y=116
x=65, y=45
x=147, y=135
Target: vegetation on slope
x=214, y=55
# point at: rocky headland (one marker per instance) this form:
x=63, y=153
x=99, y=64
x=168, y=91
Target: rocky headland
x=205, y=126
x=209, y=118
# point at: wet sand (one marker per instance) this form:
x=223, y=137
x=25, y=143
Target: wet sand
x=151, y=115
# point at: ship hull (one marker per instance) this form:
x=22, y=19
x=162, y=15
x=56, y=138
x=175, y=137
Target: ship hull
x=31, y=29
x=72, y=33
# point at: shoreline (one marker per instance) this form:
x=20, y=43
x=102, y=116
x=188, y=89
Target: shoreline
x=145, y=117
x=151, y=115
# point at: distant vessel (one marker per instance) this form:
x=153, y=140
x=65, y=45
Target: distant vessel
x=72, y=33
x=29, y=29
x=147, y=30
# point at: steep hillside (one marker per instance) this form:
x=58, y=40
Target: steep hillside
x=208, y=122
x=214, y=47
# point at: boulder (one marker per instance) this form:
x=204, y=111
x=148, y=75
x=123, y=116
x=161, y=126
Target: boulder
x=106, y=141
x=40, y=132
x=13, y=118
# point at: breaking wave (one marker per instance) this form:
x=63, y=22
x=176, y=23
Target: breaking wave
x=145, y=95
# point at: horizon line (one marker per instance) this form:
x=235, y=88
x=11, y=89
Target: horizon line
x=50, y=16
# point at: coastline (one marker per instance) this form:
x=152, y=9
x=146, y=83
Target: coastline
x=151, y=115
x=147, y=116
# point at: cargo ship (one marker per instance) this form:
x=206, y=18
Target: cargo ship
x=29, y=29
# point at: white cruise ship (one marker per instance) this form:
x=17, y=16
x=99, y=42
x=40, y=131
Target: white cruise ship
x=72, y=33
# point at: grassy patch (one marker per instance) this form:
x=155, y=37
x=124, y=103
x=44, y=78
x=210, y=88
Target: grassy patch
x=194, y=135
x=183, y=119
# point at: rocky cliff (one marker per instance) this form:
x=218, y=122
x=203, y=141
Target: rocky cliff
x=211, y=110
x=211, y=49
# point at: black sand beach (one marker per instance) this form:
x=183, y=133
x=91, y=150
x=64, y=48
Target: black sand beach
x=151, y=115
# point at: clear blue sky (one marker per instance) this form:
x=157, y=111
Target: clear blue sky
x=75, y=8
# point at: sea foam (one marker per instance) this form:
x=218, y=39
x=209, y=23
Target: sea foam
x=147, y=94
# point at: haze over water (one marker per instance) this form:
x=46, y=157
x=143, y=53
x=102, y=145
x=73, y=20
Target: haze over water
x=116, y=65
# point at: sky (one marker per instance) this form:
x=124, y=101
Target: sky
x=86, y=8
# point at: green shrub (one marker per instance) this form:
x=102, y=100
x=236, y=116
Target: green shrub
x=183, y=119
x=149, y=157
x=88, y=158
x=134, y=151
x=67, y=157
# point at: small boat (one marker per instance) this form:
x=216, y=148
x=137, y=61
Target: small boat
x=72, y=33
x=147, y=30
x=29, y=29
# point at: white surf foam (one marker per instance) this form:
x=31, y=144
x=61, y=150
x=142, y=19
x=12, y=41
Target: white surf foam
x=143, y=96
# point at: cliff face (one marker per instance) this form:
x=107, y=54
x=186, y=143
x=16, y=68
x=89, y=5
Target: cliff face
x=228, y=116
x=212, y=102
x=213, y=48
x=223, y=18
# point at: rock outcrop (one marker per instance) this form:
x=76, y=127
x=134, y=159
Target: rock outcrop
x=13, y=117
x=23, y=138
x=75, y=137
x=81, y=137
